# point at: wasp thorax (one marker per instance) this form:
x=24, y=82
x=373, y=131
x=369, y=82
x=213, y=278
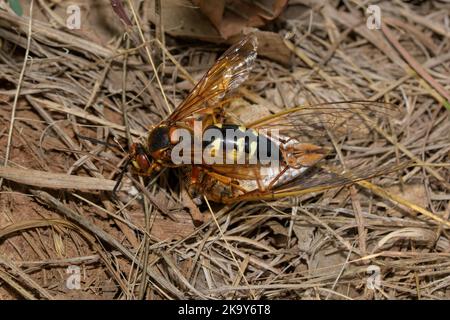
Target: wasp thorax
x=139, y=158
x=158, y=139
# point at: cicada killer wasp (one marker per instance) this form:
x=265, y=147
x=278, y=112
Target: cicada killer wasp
x=300, y=142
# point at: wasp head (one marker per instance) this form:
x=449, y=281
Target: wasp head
x=147, y=158
x=141, y=162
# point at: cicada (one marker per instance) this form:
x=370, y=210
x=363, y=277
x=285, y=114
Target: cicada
x=294, y=140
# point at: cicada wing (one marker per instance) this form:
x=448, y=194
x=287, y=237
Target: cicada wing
x=228, y=73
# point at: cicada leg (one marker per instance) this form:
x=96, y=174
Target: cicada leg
x=277, y=177
x=195, y=174
x=195, y=186
x=199, y=184
x=120, y=177
x=302, y=154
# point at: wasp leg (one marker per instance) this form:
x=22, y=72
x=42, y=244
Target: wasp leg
x=195, y=187
x=228, y=100
x=148, y=172
x=122, y=172
x=226, y=180
x=233, y=183
x=192, y=200
x=120, y=177
x=116, y=186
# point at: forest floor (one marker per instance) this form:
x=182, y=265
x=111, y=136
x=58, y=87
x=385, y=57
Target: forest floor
x=385, y=238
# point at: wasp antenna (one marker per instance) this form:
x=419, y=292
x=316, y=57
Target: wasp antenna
x=118, y=143
x=93, y=140
x=120, y=177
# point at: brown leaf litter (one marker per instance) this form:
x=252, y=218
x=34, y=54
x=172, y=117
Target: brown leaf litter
x=69, y=138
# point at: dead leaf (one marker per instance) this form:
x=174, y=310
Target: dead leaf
x=166, y=229
x=271, y=45
x=188, y=21
x=277, y=228
x=179, y=226
x=305, y=236
x=230, y=17
x=184, y=21
x=279, y=238
x=414, y=193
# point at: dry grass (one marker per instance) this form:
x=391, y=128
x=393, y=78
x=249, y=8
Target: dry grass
x=95, y=83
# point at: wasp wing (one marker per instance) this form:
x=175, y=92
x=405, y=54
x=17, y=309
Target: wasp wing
x=318, y=180
x=228, y=73
x=316, y=123
x=240, y=171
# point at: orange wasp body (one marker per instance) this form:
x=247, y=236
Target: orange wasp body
x=293, y=145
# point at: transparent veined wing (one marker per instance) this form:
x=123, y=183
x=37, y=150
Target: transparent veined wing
x=228, y=73
x=315, y=123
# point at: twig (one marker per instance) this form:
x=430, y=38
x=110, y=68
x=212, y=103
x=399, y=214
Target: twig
x=19, y=86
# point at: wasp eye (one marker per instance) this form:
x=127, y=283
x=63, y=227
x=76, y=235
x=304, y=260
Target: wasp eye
x=142, y=163
x=158, y=139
